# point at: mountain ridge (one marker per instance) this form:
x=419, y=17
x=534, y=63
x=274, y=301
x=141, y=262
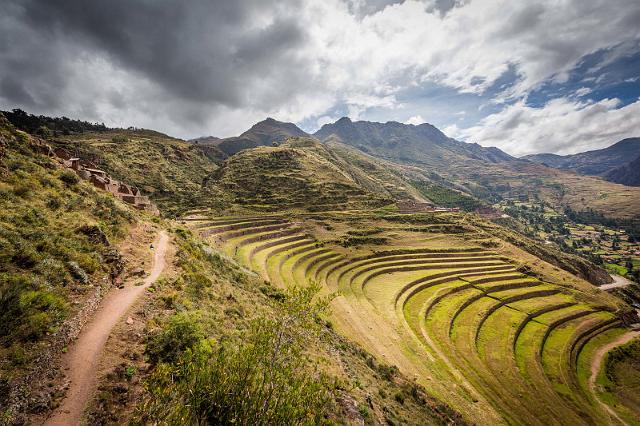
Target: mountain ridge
x=598, y=162
x=385, y=137
x=263, y=133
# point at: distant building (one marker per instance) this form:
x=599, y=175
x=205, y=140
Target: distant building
x=101, y=180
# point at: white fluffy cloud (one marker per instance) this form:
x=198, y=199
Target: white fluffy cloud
x=415, y=120
x=305, y=60
x=563, y=126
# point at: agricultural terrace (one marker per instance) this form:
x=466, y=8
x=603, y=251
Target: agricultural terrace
x=498, y=344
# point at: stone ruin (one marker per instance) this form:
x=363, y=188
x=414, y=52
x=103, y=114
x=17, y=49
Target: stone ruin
x=101, y=180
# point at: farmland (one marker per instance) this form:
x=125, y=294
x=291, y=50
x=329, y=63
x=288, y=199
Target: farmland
x=467, y=321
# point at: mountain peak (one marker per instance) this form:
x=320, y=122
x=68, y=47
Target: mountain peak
x=599, y=162
x=263, y=133
x=402, y=142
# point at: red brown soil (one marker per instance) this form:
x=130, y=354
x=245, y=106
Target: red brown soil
x=84, y=355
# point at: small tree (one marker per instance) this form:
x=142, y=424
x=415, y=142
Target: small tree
x=44, y=132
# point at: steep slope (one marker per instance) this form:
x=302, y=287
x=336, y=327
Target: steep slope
x=449, y=299
x=59, y=239
x=301, y=173
x=263, y=133
x=486, y=173
x=170, y=170
x=629, y=174
x=422, y=144
x=597, y=163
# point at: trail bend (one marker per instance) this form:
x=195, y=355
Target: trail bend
x=84, y=355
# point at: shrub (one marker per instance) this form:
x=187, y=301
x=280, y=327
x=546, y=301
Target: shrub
x=262, y=378
x=44, y=132
x=69, y=178
x=25, y=256
x=54, y=203
x=26, y=312
x=183, y=332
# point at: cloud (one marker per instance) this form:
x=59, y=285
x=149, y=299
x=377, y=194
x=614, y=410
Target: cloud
x=583, y=91
x=563, y=126
x=415, y=120
x=217, y=66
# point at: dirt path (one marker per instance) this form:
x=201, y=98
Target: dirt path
x=596, y=365
x=84, y=355
x=618, y=281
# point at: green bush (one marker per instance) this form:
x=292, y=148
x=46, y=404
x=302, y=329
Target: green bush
x=261, y=378
x=69, y=178
x=183, y=332
x=26, y=311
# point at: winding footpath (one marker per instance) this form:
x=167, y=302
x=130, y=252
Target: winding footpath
x=618, y=282
x=84, y=355
x=596, y=365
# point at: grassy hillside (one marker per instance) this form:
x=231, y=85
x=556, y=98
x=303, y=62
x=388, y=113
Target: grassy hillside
x=170, y=170
x=300, y=173
x=464, y=306
x=217, y=337
x=620, y=380
x=57, y=246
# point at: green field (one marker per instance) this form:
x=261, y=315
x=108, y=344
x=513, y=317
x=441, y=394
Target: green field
x=499, y=345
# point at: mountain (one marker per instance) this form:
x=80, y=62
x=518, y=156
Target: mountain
x=302, y=172
x=396, y=141
x=628, y=174
x=264, y=133
x=205, y=140
x=488, y=174
x=596, y=163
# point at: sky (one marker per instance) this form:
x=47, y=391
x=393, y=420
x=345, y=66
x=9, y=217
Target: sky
x=531, y=76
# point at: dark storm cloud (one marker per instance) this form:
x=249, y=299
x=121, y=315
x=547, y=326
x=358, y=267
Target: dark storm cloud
x=203, y=51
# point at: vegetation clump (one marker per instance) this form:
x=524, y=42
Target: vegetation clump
x=258, y=377
x=44, y=257
x=445, y=197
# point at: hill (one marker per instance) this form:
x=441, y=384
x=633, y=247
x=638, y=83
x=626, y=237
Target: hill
x=628, y=174
x=263, y=133
x=484, y=173
x=450, y=298
x=599, y=162
x=170, y=170
x=59, y=246
x=303, y=173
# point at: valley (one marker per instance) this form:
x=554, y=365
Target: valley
x=319, y=213
x=464, y=319
x=462, y=289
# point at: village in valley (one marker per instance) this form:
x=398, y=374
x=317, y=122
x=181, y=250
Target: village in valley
x=615, y=249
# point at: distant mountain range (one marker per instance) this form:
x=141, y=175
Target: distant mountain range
x=392, y=140
x=423, y=144
x=618, y=163
x=423, y=153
